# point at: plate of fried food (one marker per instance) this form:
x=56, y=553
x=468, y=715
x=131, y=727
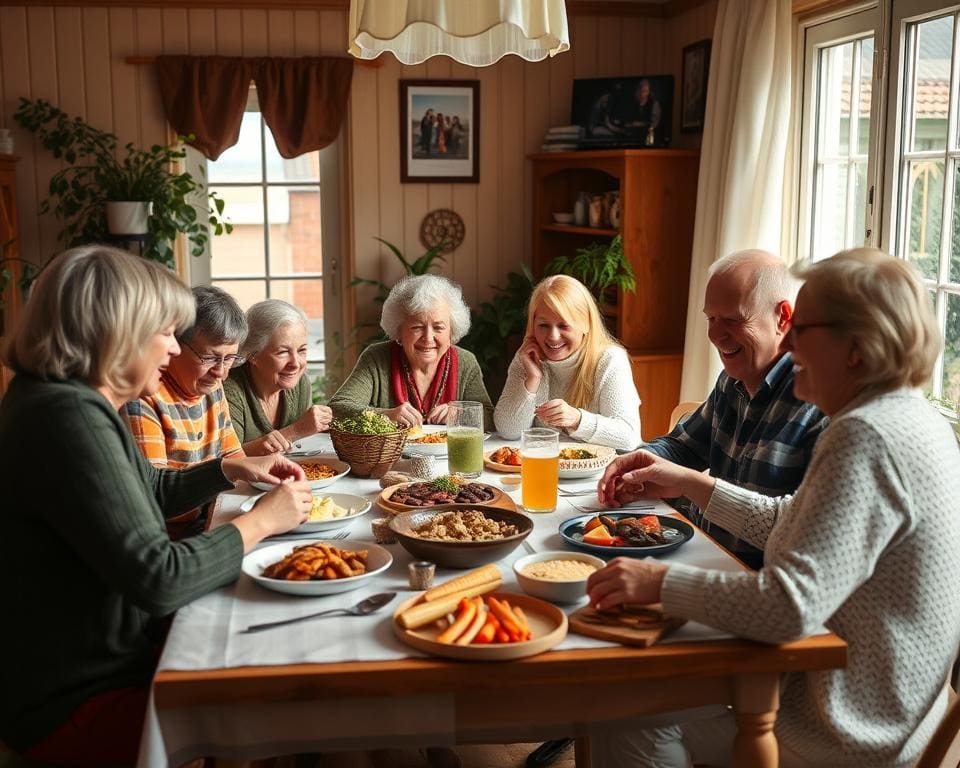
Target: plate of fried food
x=426, y=440
x=468, y=618
x=505, y=459
x=321, y=471
x=316, y=567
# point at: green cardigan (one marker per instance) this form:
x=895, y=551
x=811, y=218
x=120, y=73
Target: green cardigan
x=86, y=566
x=368, y=385
x=246, y=413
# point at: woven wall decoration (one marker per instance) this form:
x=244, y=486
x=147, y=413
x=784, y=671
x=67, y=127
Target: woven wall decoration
x=442, y=226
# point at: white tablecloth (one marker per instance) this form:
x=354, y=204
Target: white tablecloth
x=206, y=635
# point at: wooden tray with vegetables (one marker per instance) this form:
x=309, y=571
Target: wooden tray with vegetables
x=467, y=618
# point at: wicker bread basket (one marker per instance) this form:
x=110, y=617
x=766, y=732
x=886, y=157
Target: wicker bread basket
x=368, y=455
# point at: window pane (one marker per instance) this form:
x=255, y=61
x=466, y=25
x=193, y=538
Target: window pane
x=241, y=252
x=242, y=161
x=301, y=168
x=951, y=350
x=925, y=211
x=308, y=295
x=830, y=210
x=866, y=94
x=833, y=109
x=955, y=234
x=931, y=83
x=246, y=292
x=294, y=215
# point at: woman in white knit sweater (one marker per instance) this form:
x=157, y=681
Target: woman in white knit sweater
x=569, y=373
x=869, y=546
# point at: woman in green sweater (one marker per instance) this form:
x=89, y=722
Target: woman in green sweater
x=87, y=568
x=269, y=395
x=413, y=377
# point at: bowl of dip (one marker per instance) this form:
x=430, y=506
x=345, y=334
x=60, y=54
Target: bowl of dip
x=557, y=576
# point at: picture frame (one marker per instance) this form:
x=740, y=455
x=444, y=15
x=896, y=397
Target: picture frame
x=623, y=112
x=693, y=91
x=451, y=154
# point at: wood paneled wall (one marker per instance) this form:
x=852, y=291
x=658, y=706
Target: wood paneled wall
x=74, y=57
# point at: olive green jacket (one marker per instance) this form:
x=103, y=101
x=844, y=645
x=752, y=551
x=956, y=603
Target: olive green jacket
x=246, y=413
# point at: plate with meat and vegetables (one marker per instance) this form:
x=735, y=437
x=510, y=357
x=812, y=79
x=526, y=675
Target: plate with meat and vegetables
x=443, y=490
x=613, y=534
x=577, y=460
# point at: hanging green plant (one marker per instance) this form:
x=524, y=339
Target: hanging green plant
x=96, y=175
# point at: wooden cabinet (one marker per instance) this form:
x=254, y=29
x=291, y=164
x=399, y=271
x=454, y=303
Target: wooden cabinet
x=658, y=195
x=10, y=299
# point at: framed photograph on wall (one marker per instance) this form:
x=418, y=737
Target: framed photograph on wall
x=693, y=94
x=440, y=131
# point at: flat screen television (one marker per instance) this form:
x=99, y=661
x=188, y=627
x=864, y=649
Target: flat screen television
x=623, y=111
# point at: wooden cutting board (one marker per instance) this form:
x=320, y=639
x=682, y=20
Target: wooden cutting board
x=640, y=626
x=499, y=500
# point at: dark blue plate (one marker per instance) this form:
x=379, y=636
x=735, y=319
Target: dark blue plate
x=572, y=531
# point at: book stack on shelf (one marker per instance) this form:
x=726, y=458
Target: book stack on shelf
x=562, y=138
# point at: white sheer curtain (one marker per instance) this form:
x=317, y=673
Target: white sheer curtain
x=743, y=163
x=473, y=32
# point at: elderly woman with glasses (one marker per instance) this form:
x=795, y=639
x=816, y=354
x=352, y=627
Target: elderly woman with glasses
x=187, y=420
x=87, y=569
x=867, y=546
x=413, y=377
x=269, y=395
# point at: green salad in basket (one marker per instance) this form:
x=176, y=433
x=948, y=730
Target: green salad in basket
x=366, y=423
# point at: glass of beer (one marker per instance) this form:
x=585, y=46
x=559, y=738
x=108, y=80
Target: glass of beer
x=465, y=438
x=539, y=469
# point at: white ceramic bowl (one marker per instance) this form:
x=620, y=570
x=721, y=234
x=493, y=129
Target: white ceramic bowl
x=571, y=469
x=561, y=217
x=555, y=591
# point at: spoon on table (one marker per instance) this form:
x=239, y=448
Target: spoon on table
x=371, y=604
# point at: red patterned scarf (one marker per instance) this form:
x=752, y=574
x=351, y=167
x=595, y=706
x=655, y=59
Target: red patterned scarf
x=442, y=389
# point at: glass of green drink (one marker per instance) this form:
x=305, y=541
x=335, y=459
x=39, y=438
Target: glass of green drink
x=465, y=438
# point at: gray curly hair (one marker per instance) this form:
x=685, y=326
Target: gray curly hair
x=421, y=293
x=264, y=318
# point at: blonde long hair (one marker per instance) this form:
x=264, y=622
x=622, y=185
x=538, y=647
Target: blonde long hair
x=568, y=298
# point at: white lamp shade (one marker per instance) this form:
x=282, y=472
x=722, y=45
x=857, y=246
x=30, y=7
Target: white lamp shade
x=474, y=32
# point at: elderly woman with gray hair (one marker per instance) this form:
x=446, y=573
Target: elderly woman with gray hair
x=867, y=546
x=413, y=377
x=269, y=395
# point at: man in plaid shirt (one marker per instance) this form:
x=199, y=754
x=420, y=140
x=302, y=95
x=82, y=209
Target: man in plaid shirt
x=751, y=430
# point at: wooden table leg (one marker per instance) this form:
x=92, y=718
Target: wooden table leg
x=755, y=704
x=581, y=752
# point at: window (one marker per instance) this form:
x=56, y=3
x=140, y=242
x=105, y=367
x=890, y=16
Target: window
x=925, y=173
x=838, y=106
x=280, y=247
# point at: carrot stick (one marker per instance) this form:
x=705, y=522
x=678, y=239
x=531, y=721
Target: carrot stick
x=506, y=618
x=522, y=617
x=488, y=631
x=479, y=620
x=465, y=615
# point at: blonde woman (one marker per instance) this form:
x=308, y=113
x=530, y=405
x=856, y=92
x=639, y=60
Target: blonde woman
x=569, y=373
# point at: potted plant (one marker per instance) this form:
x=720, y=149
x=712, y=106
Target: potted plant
x=97, y=175
x=599, y=267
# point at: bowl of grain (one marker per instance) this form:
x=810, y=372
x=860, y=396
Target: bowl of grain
x=456, y=537
x=560, y=577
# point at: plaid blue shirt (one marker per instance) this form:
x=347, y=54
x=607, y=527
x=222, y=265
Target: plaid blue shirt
x=762, y=443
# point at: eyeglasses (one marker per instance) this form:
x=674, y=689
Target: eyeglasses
x=215, y=361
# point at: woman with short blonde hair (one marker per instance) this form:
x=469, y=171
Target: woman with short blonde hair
x=98, y=331
x=569, y=373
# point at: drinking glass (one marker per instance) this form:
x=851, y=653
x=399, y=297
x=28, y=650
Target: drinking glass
x=465, y=438
x=539, y=469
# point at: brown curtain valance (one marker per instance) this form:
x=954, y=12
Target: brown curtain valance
x=302, y=100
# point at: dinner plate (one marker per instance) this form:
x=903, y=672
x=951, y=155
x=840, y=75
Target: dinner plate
x=357, y=505
x=415, y=448
x=378, y=560
x=497, y=466
x=547, y=622
x=386, y=501
x=330, y=459
x=572, y=528
x=571, y=469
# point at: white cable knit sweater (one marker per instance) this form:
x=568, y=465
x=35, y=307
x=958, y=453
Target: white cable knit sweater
x=869, y=547
x=612, y=416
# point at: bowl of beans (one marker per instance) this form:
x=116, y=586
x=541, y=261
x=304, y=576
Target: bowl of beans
x=560, y=576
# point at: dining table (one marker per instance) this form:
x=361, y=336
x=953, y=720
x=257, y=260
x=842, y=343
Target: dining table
x=348, y=683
